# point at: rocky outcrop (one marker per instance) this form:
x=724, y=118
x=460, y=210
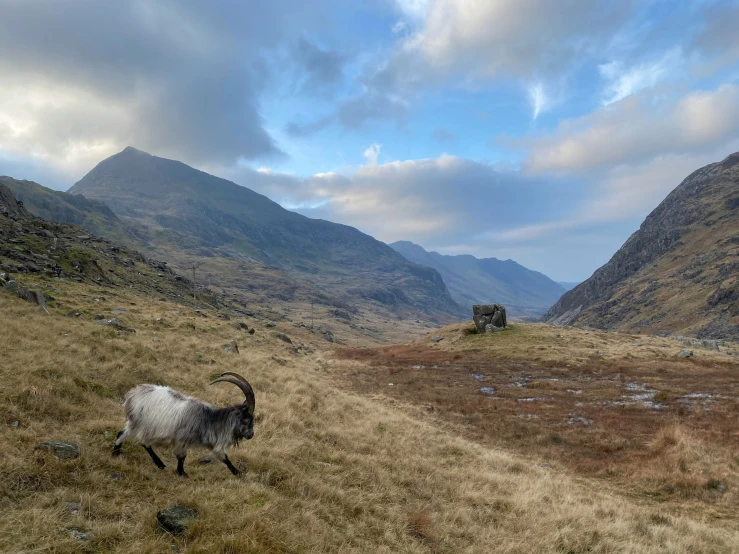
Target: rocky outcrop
x=687, y=248
x=489, y=317
x=9, y=206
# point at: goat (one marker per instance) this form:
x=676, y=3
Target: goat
x=161, y=416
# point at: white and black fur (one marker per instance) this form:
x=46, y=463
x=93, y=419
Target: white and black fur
x=161, y=416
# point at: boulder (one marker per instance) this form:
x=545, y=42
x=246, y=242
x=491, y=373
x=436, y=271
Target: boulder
x=685, y=354
x=284, y=337
x=489, y=316
x=176, y=519
x=33, y=296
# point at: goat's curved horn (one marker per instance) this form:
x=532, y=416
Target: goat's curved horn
x=235, y=379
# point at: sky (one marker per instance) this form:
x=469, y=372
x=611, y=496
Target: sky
x=533, y=130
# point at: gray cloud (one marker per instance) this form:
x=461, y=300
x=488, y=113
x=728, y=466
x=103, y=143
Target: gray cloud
x=83, y=79
x=476, y=42
x=321, y=71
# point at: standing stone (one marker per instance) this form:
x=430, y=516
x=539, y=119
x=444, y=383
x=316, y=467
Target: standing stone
x=489, y=315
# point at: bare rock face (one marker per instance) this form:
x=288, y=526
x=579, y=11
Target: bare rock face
x=9, y=206
x=492, y=316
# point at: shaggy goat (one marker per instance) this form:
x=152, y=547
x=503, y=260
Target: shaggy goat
x=161, y=416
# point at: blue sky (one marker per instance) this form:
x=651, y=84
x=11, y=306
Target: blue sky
x=527, y=129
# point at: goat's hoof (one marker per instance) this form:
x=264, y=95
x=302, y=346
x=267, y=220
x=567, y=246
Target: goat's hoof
x=183, y=474
x=162, y=466
x=116, y=453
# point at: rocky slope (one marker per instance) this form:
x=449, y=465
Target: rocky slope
x=679, y=273
x=31, y=246
x=62, y=207
x=188, y=214
x=525, y=293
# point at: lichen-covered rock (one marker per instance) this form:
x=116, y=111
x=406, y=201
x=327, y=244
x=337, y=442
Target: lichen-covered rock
x=61, y=450
x=116, y=324
x=176, y=519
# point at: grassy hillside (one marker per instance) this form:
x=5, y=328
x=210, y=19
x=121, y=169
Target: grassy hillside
x=329, y=470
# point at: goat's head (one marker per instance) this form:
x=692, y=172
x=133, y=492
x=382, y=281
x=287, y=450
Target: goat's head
x=245, y=429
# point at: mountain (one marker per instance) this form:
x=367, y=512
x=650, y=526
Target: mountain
x=678, y=273
x=61, y=207
x=524, y=292
x=568, y=285
x=186, y=212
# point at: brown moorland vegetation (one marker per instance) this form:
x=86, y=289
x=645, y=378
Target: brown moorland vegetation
x=622, y=408
x=329, y=470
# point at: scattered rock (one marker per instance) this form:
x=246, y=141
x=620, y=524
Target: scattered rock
x=329, y=336
x=240, y=326
x=232, y=347
x=224, y=316
x=485, y=315
x=685, y=354
x=74, y=313
x=118, y=311
x=572, y=420
x=284, y=337
x=12, y=285
x=252, y=331
x=437, y=339
x=175, y=520
x=155, y=340
x=342, y=314
x=116, y=324
x=201, y=313
x=98, y=317
x=72, y=508
x=61, y=450
x=78, y=534
x=270, y=324
x=115, y=476
x=15, y=424
x=544, y=466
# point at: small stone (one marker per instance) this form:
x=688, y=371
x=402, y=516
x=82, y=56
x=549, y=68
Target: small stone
x=155, y=340
x=78, y=534
x=61, y=450
x=437, y=339
x=252, y=331
x=15, y=424
x=685, y=354
x=270, y=324
x=240, y=326
x=232, y=347
x=284, y=337
x=328, y=335
x=544, y=466
x=115, y=324
x=118, y=311
x=98, y=317
x=176, y=519
x=72, y=508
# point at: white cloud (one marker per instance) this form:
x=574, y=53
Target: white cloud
x=372, y=153
x=538, y=99
x=622, y=82
x=637, y=129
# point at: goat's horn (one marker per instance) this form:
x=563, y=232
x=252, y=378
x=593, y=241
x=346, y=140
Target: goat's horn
x=229, y=377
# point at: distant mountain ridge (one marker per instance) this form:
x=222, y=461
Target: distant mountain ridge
x=184, y=210
x=678, y=273
x=471, y=280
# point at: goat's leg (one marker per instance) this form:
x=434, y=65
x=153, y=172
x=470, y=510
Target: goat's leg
x=119, y=440
x=224, y=458
x=181, y=462
x=159, y=463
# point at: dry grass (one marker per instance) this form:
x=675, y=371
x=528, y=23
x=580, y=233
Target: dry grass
x=328, y=470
